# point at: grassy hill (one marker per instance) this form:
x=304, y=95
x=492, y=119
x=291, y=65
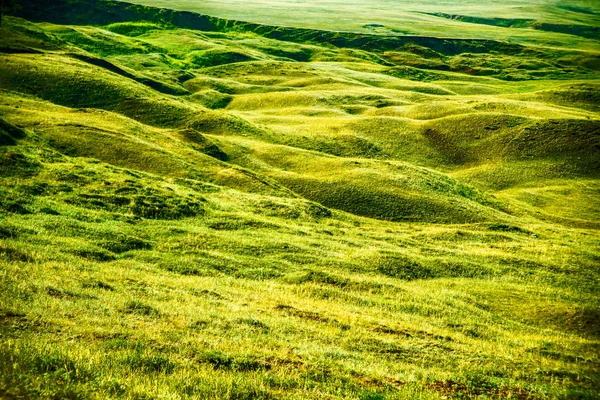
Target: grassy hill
x=198, y=206
x=541, y=22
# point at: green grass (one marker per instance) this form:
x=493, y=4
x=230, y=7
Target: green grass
x=413, y=17
x=194, y=207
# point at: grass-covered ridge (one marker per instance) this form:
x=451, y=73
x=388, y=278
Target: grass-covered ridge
x=199, y=207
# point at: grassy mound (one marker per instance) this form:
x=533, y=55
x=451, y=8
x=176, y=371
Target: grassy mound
x=134, y=28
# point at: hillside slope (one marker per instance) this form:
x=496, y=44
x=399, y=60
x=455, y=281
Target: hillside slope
x=196, y=207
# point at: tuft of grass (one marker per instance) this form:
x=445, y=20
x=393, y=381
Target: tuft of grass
x=91, y=284
x=403, y=268
x=95, y=254
x=221, y=361
x=15, y=254
x=137, y=307
x=149, y=364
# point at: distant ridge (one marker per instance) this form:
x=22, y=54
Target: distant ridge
x=104, y=12
x=589, y=32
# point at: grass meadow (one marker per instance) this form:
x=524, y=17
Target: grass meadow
x=268, y=205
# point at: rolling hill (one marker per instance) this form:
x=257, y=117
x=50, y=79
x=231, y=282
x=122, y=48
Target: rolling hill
x=222, y=201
